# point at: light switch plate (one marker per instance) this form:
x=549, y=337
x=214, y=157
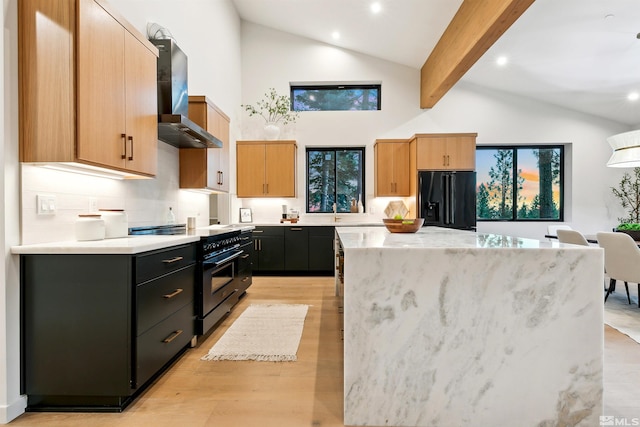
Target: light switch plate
x=45, y=204
x=93, y=204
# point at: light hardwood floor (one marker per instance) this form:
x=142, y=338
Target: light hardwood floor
x=307, y=392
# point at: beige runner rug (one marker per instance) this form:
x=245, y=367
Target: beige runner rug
x=263, y=332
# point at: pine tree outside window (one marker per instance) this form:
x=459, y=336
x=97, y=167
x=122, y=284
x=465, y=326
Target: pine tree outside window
x=520, y=183
x=352, y=97
x=334, y=175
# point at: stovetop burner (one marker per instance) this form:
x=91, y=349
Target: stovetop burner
x=159, y=230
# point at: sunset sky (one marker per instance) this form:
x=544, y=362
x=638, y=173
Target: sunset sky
x=527, y=162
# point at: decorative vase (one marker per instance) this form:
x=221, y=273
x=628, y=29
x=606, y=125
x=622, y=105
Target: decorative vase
x=271, y=131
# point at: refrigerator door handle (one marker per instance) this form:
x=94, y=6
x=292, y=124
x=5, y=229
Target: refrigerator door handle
x=447, y=199
x=452, y=198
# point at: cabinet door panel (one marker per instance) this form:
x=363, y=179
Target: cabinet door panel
x=271, y=253
x=321, y=250
x=431, y=153
x=101, y=93
x=280, y=170
x=250, y=170
x=401, y=169
x=296, y=248
x=384, y=169
x=462, y=152
x=141, y=107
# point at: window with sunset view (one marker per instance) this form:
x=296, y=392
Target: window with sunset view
x=519, y=183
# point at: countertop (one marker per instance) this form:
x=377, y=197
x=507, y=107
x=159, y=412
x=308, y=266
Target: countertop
x=321, y=223
x=434, y=237
x=125, y=245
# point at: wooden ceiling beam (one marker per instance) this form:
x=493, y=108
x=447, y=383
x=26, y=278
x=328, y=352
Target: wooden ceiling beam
x=475, y=27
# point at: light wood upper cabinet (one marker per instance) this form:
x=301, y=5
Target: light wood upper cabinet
x=88, y=91
x=266, y=168
x=391, y=167
x=446, y=151
x=206, y=168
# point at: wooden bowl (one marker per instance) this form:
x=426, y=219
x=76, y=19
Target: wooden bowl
x=407, y=225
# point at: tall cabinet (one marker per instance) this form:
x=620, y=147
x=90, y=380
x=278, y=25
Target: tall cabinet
x=266, y=168
x=391, y=167
x=206, y=168
x=88, y=91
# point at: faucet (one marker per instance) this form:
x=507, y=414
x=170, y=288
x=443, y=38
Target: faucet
x=335, y=213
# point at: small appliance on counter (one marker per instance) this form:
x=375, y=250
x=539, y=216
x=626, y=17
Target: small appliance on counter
x=291, y=217
x=115, y=223
x=90, y=227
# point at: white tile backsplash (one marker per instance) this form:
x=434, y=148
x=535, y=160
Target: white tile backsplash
x=146, y=202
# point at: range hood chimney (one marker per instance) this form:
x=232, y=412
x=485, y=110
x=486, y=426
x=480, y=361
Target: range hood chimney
x=174, y=126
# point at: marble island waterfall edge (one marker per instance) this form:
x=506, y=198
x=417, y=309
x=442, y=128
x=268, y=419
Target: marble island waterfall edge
x=469, y=334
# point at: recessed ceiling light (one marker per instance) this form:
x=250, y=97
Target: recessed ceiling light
x=376, y=7
x=633, y=96
x=502, y=61
x=335, y=35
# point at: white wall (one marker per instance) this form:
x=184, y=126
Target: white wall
x=496, y=117
x=209, y=32
x=11, y=403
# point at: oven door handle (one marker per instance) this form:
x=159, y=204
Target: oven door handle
x=229, y=258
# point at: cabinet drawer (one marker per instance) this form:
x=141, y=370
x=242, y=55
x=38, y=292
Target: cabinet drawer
x=162, y=342
x=162, y=297
x=157, y=263
x=268, y=231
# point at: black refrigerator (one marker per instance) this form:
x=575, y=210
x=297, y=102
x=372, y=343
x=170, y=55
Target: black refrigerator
x=448, y=199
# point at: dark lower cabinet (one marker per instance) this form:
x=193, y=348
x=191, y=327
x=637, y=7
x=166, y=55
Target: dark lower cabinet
x=296, y=249
x=95, y=329
x=245, y=263
x=303, y=250
x=268, y=249
x=321, y=250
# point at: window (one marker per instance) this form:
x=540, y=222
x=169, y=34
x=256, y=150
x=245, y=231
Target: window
x=334, y=175
x=520, y=183
x=358, y=97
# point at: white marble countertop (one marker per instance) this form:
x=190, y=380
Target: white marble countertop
x=125, y=245
x=434, y=237
x=322, y=223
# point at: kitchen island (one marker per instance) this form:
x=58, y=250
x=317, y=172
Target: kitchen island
x=455, y=328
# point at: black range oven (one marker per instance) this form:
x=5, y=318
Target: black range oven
x=219, y=290
x=223, y=271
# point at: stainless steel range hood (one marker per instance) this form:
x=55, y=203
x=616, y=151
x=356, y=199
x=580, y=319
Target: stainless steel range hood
x=174, y=126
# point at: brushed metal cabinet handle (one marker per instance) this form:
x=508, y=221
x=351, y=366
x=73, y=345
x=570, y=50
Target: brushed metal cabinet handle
x=172, y=337
x=172, y=260
x=124, y=145
x=173, y=294
x=131, y=141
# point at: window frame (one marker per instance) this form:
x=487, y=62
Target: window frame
x=514, y=209
x=335, y=149
x=334, y=86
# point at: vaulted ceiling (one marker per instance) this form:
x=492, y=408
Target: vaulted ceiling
x=580, y=54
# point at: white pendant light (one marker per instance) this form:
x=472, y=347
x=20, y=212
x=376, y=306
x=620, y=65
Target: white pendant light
x=626, y=150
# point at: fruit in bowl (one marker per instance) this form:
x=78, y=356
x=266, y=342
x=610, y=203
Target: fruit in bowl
x=403, y=225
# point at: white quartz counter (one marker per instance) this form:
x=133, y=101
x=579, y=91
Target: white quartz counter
x=125, y=245
x=456, y=328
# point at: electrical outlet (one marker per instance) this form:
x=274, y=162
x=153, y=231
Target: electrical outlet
x=45, y=204
x=93, y=204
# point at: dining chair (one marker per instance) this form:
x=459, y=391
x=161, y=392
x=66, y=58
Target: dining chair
x=571, y=236
x=552, y=230
x=621, y=260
